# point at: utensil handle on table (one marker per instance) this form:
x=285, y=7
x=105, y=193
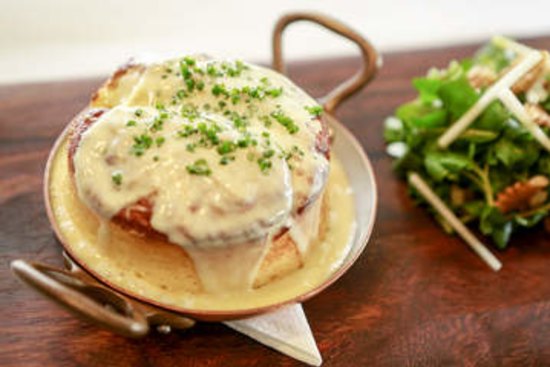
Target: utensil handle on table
x=349, y=87
x=91, y=302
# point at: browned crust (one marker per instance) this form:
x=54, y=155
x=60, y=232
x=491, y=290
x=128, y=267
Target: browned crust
x=113, y=82
x=136, y=217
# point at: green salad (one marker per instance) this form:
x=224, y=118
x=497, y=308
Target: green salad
x=495, y=175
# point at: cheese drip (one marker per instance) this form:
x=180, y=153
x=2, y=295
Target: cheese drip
x=224, y=169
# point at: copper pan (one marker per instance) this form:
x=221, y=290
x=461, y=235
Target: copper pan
x=96, y=299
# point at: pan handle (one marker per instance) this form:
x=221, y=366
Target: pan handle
x=346, y=89
x=90, y=302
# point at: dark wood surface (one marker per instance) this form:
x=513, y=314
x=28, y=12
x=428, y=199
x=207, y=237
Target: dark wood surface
x=416, y=297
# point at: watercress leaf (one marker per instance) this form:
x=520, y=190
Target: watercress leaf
x=440, y=164
x=393, y=130
x=501, y=234
x=514, y=155
x=493, y=118
x=435, y=118
x=478, y=136
x=543, y=165
x=474, y=208
x=491, y=219
x=500, y=178
x=416, y=114
x=531, y=221
x=507, y=152
x=427, y=88
x=411, y=161
x=457, y=97
x=466, y=64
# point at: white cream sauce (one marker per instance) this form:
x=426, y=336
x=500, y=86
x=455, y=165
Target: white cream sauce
x=158, y=144
x=163, y=272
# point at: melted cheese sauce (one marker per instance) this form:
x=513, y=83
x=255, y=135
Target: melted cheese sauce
x=236, y=202
x=163, y=272
x=224, y=219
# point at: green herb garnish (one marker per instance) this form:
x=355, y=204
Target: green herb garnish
x=160, y=140
x=117, y=178
x=314, y=110
x=200, y=168
x=141, y=144
x=264, y=164
x=226, y=147
x=226, y=159
x=286, y=121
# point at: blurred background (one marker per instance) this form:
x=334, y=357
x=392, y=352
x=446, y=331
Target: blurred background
x=62, y=39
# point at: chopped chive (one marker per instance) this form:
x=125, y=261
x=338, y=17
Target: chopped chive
x=286, y=121
x=160, y=140
x=315, y=111
x=226, y=147
x=200, y=168
x=141, y=144
x=157, y=124
x=190, y=84
x=117, y=178
x=226, y=159
x=189, y=60
x=275, y=92
x=185, y=72
x=181, y=94
x=211, y=70
x=268, y=153
x=265, y=164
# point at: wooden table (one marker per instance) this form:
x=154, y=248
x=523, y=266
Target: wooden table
x=416, y=297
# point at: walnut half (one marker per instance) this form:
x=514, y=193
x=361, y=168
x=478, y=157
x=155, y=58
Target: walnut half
x=523, y=195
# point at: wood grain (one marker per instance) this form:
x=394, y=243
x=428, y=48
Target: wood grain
x=416, y=297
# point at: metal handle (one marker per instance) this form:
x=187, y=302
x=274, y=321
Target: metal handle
x=346, y=89
x=91, y=302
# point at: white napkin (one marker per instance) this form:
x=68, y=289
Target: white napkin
x=285, y=330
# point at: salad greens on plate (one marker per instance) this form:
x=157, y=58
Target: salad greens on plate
x=495, y=175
